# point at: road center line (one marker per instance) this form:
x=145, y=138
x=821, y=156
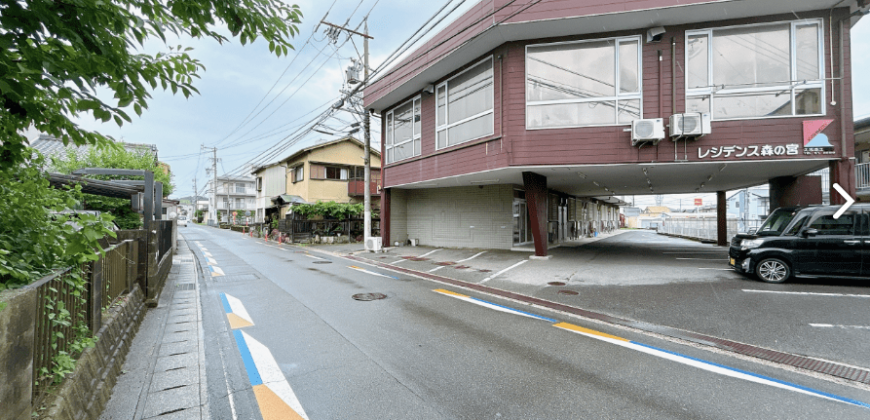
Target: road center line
x=312, y=256
x=502, y=271
x=807, y=293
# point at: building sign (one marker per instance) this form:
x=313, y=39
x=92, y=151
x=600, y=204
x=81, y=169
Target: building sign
x=749, y=151
x=814, y=143
x=699, y=201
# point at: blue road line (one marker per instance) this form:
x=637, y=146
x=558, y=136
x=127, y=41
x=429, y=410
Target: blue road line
x=516, y=310
x=226, y=303
x=253, y=373
x=766, y=378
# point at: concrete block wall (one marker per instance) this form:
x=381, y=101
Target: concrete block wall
x=459, y=217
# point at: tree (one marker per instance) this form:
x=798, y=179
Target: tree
x=116, y=157
x=35, y=236
x=55, y=55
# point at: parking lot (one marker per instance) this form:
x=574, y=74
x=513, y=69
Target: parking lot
x=663, y=281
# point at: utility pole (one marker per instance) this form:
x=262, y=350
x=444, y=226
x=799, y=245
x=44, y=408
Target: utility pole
x=213, y=211
x=367, y=177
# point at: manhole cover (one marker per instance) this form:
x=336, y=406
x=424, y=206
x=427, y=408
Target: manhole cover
x=368, y=296
x=323, y=262
x=568, y=292
x=556, y=283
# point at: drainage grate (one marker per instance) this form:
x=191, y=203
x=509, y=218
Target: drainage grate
x=323, y=262
x=185, y=286
x=368, y=296
x=569, y=292
x=556, y=283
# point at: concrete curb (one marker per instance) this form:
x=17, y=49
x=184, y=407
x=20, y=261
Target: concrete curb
x=831, y=369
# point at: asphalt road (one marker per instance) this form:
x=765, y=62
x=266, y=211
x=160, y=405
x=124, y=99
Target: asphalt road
x=421, y=354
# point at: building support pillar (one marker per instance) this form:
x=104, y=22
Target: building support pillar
x=721, y=219
x=385, y=216
x=843, y=173
x=789, y=191
x=536, y=202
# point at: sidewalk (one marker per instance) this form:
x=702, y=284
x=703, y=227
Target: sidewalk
x=164, y=373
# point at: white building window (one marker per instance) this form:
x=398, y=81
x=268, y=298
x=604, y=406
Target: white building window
x=756, y=71
x=584, y=83
x=464, y=106
x=403, y=131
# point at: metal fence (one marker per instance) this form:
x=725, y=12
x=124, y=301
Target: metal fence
x=706, y=229
x=61, y=305
x=164, y=237
x=862, y=176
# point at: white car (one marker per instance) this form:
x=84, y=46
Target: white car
x=182, y=221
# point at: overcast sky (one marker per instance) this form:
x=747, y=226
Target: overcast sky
x=237, y=78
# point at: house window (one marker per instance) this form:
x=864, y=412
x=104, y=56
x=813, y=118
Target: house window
x=464, y=106
x=240, y=188
x=757, y=71
x=260, y=184
x=403, y=131
x=297, y=174
x=585, y=83
x=328, y=172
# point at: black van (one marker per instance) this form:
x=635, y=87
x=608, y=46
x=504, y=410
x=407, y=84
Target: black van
x=806, y=242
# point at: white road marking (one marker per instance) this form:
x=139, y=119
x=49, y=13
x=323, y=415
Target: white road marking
x=430, y=252
x=847, y=327
x=371, y=272
x=807, y=293
x=238, y=308
x=271, y=374
x=312, y=256
x=707, y=259
x=469, y=258
x=502, y=271
x=719, y=269
x=396, y=262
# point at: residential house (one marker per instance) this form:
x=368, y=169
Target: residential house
x=234, y=194
x=271, y=181
x=53, y=147
x=515, y=104
x=329, y=171
x=190, y=204
x=749, y=206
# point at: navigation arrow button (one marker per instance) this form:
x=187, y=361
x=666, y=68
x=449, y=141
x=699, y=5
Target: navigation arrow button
x=849, y=201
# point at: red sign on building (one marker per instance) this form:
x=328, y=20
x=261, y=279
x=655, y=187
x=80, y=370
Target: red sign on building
x=699, y=201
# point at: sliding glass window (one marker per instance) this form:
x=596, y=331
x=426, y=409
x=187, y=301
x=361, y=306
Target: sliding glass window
x=403, y=131
x=464, y=106
x=756, y=71
x=583, y=84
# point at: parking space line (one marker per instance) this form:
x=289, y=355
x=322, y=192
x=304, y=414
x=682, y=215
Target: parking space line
x=396, y=262
x=502, y=271
x=806, y=293
x=469, y=258
x=430, y=252
x=846, y=327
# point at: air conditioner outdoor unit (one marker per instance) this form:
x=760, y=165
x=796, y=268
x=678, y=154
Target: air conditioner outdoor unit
x=690, y=124
x=647, y=131
x=374, y=244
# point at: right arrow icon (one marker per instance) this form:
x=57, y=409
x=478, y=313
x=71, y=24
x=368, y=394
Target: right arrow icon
x=849, y=201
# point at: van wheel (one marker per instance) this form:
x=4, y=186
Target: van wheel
x=773, y=270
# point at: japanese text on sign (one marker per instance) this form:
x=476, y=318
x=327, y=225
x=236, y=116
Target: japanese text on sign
x=748, y=151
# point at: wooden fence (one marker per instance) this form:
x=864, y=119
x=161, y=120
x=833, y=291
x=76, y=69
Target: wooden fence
x=61, y=305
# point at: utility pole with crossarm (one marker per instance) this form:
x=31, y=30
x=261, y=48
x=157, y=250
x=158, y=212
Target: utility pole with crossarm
x=367, y=178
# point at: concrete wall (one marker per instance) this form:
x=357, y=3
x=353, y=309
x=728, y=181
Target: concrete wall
x=461, y=217
x=16, y=352
x=398, y=216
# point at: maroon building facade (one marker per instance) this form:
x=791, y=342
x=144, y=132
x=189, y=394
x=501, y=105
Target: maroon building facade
x=519, y=124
